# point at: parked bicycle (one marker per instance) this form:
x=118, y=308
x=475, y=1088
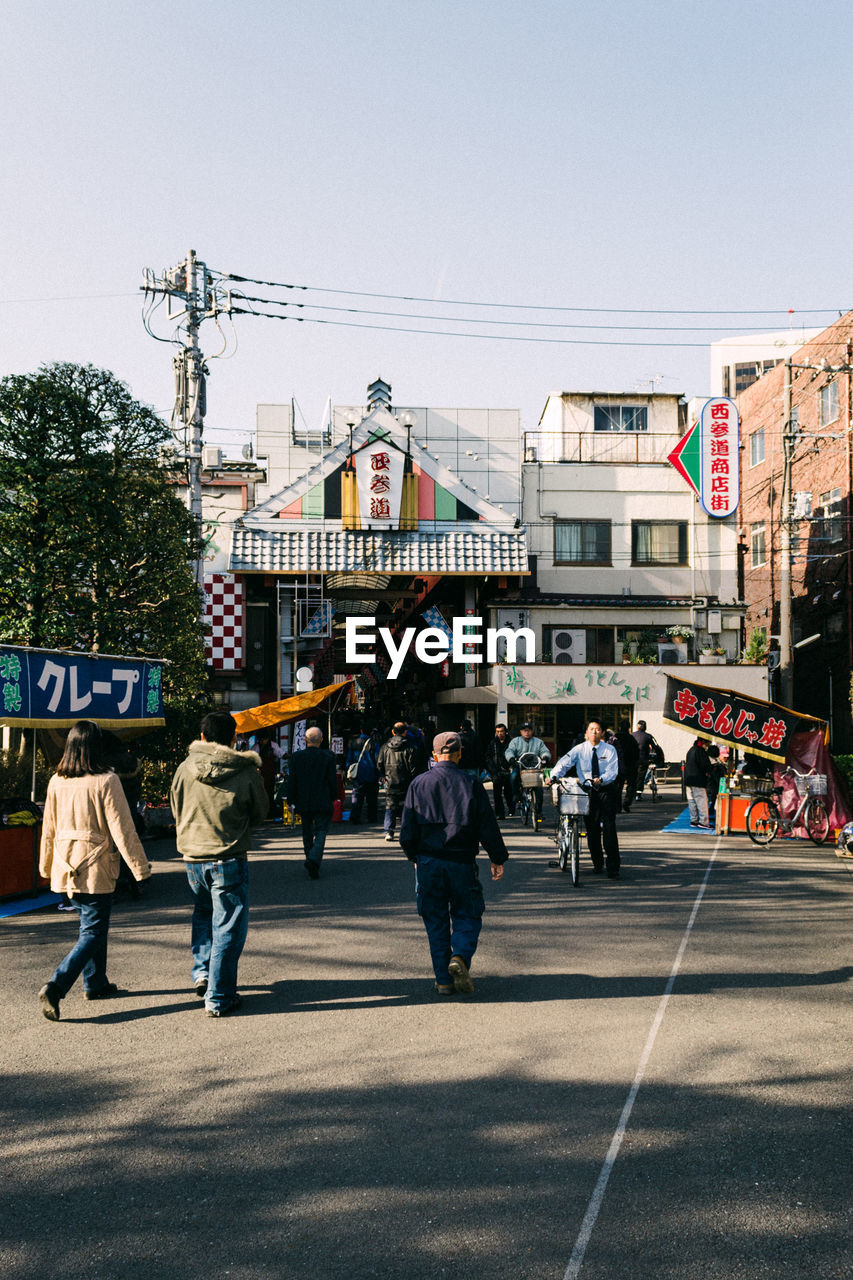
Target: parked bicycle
x=572, y=803
x=530, y=771
x=651, y=781
x=764, y=819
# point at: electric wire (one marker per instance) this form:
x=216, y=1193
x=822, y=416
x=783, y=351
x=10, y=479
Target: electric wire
x=488, y=337
x=520, y=306
x=529, y=324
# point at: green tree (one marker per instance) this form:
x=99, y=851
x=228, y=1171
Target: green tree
x=96, y=549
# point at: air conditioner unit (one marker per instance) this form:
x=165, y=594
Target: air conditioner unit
x=568, y=647
x=211, y=458
x=672, y=655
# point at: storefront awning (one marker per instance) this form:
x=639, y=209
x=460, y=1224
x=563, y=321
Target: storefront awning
x=271, y=714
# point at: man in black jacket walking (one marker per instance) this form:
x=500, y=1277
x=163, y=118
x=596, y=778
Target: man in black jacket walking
x=399, y=761
x=446, y=817
x=312, y=789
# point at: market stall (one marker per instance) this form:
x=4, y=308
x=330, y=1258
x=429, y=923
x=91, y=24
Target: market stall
x=759, y=729
x=50, y=689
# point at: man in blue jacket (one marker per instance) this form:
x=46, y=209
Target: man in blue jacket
x=446, y=817
x=597, y=767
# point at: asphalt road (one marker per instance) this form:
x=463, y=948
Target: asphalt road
x=652, y=1080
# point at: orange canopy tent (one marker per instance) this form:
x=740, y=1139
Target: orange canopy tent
x=289, y=709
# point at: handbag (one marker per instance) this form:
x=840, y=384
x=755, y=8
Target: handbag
x=352, y=769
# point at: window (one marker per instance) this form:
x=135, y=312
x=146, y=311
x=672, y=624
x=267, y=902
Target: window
x=829, y=525
x=659, y=542
x=757, y=545
x=828, y=403
x=620, y=417
x=747, y=374
x=582, y=542
x=756, y=447
x=565, y=644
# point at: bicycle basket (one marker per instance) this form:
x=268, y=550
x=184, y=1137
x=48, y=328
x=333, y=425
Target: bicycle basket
x=757, y=786
x=814, y=784
x=572, y=797
x=531, y=777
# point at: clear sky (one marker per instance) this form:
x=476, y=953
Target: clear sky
x=658, y=156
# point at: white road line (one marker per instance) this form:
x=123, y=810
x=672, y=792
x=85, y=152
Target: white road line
x=594, y=1206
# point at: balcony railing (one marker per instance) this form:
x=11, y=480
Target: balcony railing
x=614, y=447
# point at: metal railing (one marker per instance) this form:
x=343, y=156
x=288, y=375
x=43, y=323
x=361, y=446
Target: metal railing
x=614, y=447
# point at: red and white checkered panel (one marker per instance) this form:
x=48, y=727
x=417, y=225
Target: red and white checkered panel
x=223, y=621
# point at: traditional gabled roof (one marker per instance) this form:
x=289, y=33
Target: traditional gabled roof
x=379, y=425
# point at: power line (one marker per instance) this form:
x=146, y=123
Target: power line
x=530, y=324
x=73, y=297
x=449, y=333
x=520, y=306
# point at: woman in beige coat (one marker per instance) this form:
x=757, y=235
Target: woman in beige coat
x=85, y=814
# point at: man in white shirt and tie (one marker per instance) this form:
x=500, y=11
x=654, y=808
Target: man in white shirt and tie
x=597, y=766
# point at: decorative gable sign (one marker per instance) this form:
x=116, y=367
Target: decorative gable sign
x=719, y=441
x=379, y=478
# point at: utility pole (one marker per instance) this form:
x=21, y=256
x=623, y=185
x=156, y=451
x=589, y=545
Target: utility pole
x=194, y=407
x=786, y=673
x=191, y=297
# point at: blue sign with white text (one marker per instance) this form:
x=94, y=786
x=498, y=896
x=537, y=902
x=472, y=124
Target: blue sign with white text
x=45, y=688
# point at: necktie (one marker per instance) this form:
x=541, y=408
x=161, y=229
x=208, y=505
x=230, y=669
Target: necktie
x=595, y=770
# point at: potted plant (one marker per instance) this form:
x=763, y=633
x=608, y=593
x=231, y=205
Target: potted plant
x=680, y=633
x=756, y=649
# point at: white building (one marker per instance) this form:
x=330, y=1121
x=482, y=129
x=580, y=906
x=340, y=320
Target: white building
x=622, y=557
x=738, y=362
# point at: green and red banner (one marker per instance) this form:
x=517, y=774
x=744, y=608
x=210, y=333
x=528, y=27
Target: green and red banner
x=706, y=457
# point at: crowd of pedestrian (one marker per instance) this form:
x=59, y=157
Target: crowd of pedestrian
x=219, y=794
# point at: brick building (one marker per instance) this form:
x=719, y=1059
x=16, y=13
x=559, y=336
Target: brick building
x=821, y=482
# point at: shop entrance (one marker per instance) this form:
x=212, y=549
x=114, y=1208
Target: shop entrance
x=560, y=726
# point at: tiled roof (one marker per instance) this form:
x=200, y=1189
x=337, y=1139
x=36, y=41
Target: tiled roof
x=533, y=598
x=475, y=549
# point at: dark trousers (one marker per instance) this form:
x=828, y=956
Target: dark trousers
x=629, y=781
x=315, y=828
x=450, y=903
x=602, y=817
x=502, y=791
x=364, y=792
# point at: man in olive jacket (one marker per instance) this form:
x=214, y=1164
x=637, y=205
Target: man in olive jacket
x=217, y=797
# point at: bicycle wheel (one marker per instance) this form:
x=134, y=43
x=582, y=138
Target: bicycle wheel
x=762, y=821
x=563, y=844
x=576, y=853
x=526, y=807
x=816, y=821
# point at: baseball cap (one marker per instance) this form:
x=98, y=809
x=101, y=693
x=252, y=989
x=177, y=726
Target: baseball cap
x=527, y=725
x=442, y=743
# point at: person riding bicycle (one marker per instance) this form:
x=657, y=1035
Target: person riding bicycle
x=526, y=743
x=597, y=766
